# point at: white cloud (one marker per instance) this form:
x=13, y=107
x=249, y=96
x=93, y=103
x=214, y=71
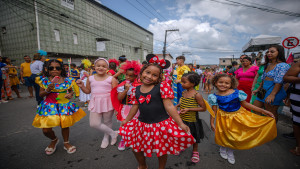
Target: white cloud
x=211, y=25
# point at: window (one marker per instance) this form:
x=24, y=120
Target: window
x=75, y=38
x=136, y=50
x=3, y=30
x=123, y=48
x=147, y=37
x=100, y=45
x=223, y=61
x=56, y=34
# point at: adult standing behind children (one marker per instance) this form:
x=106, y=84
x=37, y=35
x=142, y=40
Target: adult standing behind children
x=25, y=73
x=293, y=76
x=36, y=69
x=245, y=76
x=272, y=80
x=181, y=69
x=13, y=76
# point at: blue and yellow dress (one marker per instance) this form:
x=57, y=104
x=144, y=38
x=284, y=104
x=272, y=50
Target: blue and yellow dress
x=55, y=109
x=238, y=128
x=75, y=72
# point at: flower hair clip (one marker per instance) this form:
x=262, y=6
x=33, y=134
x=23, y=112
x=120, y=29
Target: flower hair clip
x=151, y=58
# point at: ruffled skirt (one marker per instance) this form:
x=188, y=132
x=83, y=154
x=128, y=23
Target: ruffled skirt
x=196, y=129
x=243, y=130
x=100, y=103
x=161, y=138
x=50, y=115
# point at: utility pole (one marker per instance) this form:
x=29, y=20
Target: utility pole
x=166, y=33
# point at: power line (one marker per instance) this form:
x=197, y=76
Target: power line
x=138, y=9
x=265, y=8
x=154, y=9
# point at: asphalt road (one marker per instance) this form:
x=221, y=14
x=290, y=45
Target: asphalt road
x=22, y=146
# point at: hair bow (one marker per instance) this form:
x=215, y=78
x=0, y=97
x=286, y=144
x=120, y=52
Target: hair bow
x=161, y=62
x=142, y=99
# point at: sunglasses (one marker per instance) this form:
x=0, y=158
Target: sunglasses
x=52, y=68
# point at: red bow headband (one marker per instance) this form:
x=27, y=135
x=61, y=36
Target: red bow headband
x=162, y=63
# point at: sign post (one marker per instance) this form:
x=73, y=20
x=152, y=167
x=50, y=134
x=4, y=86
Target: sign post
x=290, y=43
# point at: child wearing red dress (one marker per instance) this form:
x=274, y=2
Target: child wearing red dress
x=121, y=94
x=154, y=131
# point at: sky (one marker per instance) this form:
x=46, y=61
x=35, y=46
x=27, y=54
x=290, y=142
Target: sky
x=210, y=29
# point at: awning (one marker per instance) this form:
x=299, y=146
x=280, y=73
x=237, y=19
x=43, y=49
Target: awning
x=261, y=42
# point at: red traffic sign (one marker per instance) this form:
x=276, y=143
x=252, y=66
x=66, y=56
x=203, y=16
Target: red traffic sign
x=290, y=42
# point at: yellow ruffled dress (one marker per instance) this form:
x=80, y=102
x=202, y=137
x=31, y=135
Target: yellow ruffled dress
x=56, y=110
x=238, y=128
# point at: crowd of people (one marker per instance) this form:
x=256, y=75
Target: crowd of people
x=157, y=103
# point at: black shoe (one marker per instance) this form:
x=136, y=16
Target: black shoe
x=289, y=135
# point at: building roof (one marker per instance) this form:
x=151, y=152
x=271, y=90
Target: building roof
x=115, y=13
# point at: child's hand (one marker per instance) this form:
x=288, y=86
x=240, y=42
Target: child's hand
x=123, y=123
x=212, y=126
x=80, y=83
x=127, y=86
x=69, y=95
x=50, y=87
x=184, y=110
x=265, y=112
x=184, y=127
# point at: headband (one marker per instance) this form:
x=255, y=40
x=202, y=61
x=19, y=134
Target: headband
x=101, y=59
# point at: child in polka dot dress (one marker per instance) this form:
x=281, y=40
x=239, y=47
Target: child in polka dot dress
x=154, y=131
x=56, y=109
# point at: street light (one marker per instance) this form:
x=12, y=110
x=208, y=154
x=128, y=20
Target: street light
x=166, y=33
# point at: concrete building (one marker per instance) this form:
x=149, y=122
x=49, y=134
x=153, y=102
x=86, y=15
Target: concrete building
x=223, y=62
x=69, y=28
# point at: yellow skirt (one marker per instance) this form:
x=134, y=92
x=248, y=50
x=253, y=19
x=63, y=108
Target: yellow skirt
x=76, y=90
x=243, y=130
x=14, y=81
x=55, y=120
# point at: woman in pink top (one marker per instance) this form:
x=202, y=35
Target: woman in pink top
x=245, y=76
x=100, y=107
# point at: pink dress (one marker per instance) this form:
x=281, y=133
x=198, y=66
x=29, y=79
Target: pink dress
x=100, y=95
x=246, y=79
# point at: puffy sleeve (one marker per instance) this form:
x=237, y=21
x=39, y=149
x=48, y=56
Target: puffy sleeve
x=212, y=100
x=166, y=91
x=133, y=99
x=120, y=89
x=280, y=71
x=242, y=95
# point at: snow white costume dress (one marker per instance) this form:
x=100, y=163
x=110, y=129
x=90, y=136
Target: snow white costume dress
x=238, y=128
x=55, y=109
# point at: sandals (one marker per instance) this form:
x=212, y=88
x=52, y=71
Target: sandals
x=195, y=157
x=296, y=151
x=50, y=151
x=71, y=149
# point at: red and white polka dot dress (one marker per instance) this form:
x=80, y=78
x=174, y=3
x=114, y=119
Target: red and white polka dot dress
x=164, y=137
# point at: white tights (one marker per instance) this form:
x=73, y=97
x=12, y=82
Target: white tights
x=103, y=122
